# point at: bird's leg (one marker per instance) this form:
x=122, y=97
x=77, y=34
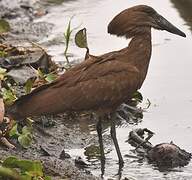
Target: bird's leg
x=113, y=135
x=99, y=132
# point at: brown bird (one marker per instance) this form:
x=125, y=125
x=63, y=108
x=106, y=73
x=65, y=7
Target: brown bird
x=101, y=83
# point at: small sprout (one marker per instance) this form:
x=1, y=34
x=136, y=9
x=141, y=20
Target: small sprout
x=67, y=36
x=81, y=38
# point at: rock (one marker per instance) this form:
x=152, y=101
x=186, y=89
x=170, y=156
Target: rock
x=22, y=74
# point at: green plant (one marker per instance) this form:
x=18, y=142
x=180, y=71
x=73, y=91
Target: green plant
x=47, y=77
x=81, y=40
x=67, y=36
x=16, y=169
x=3, y=53
x=28, y=86
x=24, y=137
x=2, y=73
x=8, y=95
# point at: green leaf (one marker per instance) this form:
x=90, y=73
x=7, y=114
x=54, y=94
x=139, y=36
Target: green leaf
x=2, y=73
x=137, y=96
x=50, y=77
x=14, y=132
x=8, y=96
x=26, y=130
x=47, y=178
x=7, y=173
x=32, y=168
x=67, y=36
x=10, y=162
x=28, y=169
x=25, y=139
x=4, y=26
x=81, y=38
x=25, y=177
x=28, y=86
x=40, y=73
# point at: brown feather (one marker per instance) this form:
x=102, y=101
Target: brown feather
x=101, y=83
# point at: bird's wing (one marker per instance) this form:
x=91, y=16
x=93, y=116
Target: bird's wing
x=83, y=87
x=101, y=85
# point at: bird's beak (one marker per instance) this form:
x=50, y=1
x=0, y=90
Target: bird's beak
x=163, y=24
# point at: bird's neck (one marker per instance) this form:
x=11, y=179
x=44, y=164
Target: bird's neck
x=139, y=51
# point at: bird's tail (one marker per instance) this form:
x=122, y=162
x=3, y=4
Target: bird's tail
x=28, y=105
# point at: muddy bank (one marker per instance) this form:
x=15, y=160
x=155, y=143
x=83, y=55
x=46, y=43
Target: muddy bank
x=49, y=143
x=50, y=146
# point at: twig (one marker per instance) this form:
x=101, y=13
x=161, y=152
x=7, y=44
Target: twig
x=5, y=142
x=37, y=45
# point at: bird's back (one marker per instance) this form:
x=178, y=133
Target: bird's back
x=98, y=83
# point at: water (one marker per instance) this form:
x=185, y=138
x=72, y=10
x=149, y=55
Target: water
x=168, y=84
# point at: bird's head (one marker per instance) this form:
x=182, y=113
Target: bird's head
x=135, y=20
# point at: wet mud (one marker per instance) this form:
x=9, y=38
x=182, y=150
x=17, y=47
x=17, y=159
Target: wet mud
x=51, y=145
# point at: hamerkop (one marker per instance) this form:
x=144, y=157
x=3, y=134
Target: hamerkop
x=101, y=83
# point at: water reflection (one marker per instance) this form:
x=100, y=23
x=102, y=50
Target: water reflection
x=185, y=10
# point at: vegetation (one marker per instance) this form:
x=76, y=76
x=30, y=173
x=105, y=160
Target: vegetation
x=16, y=169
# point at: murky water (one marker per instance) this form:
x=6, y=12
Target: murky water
x=168, y=84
